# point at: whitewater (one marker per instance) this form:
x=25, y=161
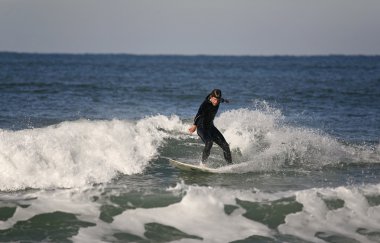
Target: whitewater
x=210, y=214
x=83, y=152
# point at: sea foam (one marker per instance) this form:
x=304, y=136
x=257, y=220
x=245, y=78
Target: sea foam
x=345, y=213
x=83, y=152
x=201, y=214
x=263, y=140
x=78, y=153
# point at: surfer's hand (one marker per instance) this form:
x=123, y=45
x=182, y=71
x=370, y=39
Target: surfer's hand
x=192, y=128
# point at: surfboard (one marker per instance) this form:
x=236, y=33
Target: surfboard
x=191, y=167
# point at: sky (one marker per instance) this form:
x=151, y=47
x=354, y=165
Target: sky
x=191, y=27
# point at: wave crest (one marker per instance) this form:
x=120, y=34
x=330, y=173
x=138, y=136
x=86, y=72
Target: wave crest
x=77, y=153
x=266, y=141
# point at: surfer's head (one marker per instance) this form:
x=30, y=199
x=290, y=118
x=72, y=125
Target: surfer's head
x=217, y=93
x=215, y=96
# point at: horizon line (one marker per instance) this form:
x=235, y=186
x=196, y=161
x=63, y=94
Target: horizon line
x=179, y=54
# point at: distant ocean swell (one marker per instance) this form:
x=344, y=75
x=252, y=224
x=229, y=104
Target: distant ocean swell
x=79, y=153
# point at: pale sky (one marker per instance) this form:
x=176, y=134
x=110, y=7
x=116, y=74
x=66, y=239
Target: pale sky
x=191, y=27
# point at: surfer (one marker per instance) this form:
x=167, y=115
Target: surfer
x=204, y=125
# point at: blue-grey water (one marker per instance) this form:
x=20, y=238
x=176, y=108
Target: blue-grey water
x=84, y=141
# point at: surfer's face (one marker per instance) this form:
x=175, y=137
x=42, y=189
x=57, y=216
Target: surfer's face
x=214, y=101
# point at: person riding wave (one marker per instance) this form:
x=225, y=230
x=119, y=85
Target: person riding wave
x=204, y=125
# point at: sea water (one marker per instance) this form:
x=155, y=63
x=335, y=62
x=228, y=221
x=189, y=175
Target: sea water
x=84, y=141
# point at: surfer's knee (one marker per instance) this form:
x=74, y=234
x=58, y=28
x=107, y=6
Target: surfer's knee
x=208, y=144
x=226, y=147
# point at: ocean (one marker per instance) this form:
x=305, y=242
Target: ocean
x=84, y=141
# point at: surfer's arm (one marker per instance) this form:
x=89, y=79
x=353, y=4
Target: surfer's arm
x=193, y=127
x=197, y=117
x=200, y=113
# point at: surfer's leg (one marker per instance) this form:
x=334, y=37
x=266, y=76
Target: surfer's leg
x=206, y=150
x=221, y=141
x=207, y=139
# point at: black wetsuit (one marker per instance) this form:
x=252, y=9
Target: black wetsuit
x=204, y=120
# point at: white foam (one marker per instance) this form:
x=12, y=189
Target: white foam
x=345, y=221
x=265, y=142
x=201, y=213
x=73, y=201
x=81, y=152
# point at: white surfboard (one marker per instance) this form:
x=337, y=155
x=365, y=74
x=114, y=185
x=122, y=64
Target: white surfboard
x=192, y=167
